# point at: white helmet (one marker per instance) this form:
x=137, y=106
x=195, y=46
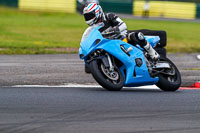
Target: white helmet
x=92, y=13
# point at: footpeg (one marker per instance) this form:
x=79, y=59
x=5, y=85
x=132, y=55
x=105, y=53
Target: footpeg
x=126, y=51
x=129, y=49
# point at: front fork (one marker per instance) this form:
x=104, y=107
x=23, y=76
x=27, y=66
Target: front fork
x=111, y=67
x=104, y=57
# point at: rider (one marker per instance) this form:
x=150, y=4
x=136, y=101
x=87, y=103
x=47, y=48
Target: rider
x=93, y=14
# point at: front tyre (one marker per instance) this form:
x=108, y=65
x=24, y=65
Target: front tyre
x=172, y=81
x=112, y=81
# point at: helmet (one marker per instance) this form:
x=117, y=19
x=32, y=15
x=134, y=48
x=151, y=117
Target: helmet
x=92, y=13
x=92, y=1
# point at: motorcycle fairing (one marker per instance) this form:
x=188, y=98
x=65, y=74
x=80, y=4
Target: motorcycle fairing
x=134, y=75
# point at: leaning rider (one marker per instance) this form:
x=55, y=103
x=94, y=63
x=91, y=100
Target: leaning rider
x=93, y=15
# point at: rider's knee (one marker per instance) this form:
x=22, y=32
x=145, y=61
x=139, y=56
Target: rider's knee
x=137, y=38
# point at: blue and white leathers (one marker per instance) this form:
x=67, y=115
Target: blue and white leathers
x=133, y=74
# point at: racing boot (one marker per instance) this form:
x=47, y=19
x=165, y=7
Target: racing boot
x=153, y=54
x=138, y=38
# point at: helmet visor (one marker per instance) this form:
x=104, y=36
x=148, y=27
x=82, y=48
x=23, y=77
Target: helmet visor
x=89, y=16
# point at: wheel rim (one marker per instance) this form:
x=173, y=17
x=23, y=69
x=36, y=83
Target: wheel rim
x=111, y=75
x=172, y=71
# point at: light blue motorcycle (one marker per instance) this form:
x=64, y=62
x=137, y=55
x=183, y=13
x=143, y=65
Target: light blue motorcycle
x=115, y=63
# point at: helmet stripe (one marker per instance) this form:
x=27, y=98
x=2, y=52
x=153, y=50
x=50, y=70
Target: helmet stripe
x=92, y=7
x=97, y=11
x=97, y=8
x=89, y=6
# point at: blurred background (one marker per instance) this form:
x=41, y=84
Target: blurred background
x=184, y=9
x=56, y=26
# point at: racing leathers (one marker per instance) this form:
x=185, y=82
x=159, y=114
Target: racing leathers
x=111, y=22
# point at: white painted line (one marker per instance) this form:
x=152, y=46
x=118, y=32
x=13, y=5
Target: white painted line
x=66, y=85
x=198, y=57
x=85, y=86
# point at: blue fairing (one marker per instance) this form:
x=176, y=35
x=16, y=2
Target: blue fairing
x=134, y=75
x=88, y=44
x=153, y=40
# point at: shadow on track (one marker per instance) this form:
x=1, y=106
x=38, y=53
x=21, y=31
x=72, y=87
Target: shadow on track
x=134, y=90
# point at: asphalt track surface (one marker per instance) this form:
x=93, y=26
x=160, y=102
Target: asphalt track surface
x=90, y=109
x=68, y=68
x=94, y=110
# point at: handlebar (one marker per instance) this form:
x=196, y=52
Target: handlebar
x=111, y=35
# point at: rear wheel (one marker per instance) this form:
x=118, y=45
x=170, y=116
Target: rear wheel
x=161, y=51
x=169, y=79
x=110, y=80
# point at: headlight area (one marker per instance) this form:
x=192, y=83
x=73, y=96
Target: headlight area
x=100, y=54
x=95, y=55
x=81, y=56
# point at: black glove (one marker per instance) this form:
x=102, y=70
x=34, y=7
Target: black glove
x=114, y=30
x=113, y=33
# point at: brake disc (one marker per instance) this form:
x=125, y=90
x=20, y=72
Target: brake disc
x=113, y=75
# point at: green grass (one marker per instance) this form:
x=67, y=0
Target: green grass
x=36, y=32
x=193, y=69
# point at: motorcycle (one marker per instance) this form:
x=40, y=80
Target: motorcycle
x=115, y=64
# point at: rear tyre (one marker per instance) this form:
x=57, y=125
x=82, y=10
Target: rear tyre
x=168, y=82
x=161, y=51
x=103, y=79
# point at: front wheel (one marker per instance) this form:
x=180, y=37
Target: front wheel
x=110, y=80
x=170, y=79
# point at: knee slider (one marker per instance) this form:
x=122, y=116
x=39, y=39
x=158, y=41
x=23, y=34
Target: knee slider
x=140, y=36
x=132, y=38
x=137, y=38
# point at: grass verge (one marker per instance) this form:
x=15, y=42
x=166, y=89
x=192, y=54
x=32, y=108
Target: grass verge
x=44, y=33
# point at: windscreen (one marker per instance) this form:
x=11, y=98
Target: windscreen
x=87, y=32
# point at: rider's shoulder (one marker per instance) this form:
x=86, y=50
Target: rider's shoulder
x=111, y=16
